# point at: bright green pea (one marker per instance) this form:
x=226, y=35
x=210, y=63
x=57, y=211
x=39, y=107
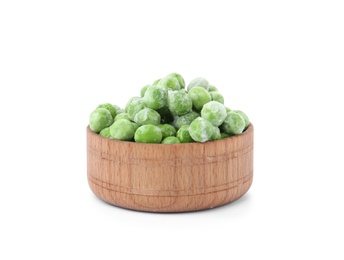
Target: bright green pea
x=179, y=102
x=106, y=133
x=201, y=130
x=167, y=130
x=186, y=119
x=217, y=134
x=100, y=118
x=155, y=97
x=199, y=82
x=216, y=96
x=179, y=78
x=214, y=112
x=111, y=108
x=147, y=116
x=234, y=123
x=199, y=97
x=148, y=134
x=122, y=129
x=212, y=88
x=170, y=140
x=169, y=82
x=143, y=90
x=133, y=106
x=122, y=116
x=247, y=121
x=183, y=134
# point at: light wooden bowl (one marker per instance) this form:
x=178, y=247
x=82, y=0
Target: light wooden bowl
x=170, y=177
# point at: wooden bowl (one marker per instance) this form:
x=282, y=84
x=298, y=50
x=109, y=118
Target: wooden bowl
x=170, y=177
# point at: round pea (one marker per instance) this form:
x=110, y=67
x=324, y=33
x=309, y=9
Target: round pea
x=212, y=88
x=133, y=106
x=147, y=116
x=179, y=78
x=247, y=121
x=183, y=134
x=112, y=109
x=155, y=97
x=201, y=130
x=100, y=118
x=170, y=140
x=179, y=102
x=122, y=116
x=167, y=130
x=199, y=97
x=169, y=82
x=234, y=123
x=122, y=129
x=148, y=134
x=214, y=112
x=198, y=82
x=106, y=133
x=216, y=96
x=186, y=119
x=143, y=90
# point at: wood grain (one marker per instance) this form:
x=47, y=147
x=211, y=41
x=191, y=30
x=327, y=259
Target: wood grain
x=170, y=178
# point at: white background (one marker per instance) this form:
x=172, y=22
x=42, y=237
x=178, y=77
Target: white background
x=282, y=62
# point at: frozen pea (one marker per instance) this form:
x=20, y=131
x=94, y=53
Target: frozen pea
x=100, y=118
x=155, y=83
x=118, y=110
x=170, y=140
x=228, y=110
x=143, y=90
x=247, y=121
x=186, y=119
x=167, y=130
x=122, y=116
x=217, y=134
x=135, y=125
x=234, y=123
x=155, y=97
x=133, y=106
x=111, y=108
x=199, y=97
x=198, y=82
x=106, y=133
x=122, y=129
x=212, y=88
x=201, y=130
x=147, y=116
x=183, y=134
x=179, y=78
x=148, y=134
x=169, y=82
x=214, y=112
x=216, y=96
x=179, y=102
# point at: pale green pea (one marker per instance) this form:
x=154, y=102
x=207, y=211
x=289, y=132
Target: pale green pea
x=170, y=140
x=100, y=118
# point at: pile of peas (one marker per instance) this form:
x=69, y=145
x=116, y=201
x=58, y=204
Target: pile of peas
x=168, y=113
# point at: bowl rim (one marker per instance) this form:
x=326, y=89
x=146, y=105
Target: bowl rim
x=232, y=138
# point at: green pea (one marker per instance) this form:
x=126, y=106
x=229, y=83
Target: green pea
x=186, y=119
x=201, y=130
x=170, y=140
x=148, y=134
x=122, y=116
x=198, y=82
x=147, y=116
x=183, y=134
x=214, y=112
x=212, y=88
x=106, y=133
x=179, y=78
x=169, y=82
x=217, y=134
x=100, y=118
x=199, y=97
x=234, y=123
x=247, y=121
x=122, y=129
x=167, y=130
x=133, y=106
x=216, y=96
x=143, y=90
x=155, y=97
x=111, y=108
x=179, y=102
